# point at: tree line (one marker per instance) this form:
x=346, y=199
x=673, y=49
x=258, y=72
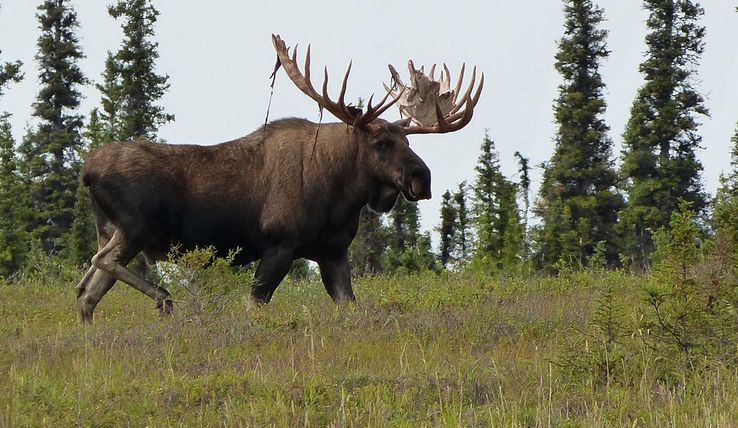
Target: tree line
x=589, y=211
x=45, y=208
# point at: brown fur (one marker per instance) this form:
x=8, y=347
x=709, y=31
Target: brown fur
x=291, y=189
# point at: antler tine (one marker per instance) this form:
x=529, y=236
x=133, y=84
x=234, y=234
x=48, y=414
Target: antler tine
x=478, y=94
x=373, y=113
x=306, y=75
x=457, y=107
x=446, y=79
x=432, y=72
x=459, y=81
x=307, y=65
x=342, y=94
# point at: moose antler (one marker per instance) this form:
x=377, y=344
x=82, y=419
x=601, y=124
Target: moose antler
x=431, y=105
x=346, y=113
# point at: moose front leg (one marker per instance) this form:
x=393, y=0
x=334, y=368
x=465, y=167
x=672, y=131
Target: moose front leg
x=273, y=267
x=336, y=274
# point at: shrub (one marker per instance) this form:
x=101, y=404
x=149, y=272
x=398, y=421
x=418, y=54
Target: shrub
x=201, y=282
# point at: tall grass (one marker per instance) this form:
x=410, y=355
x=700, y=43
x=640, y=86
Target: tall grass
x=424, y=350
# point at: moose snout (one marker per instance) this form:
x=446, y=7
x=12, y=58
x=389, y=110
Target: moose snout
x=419, y=183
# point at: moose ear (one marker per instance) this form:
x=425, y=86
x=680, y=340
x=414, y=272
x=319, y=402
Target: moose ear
x=404, y=122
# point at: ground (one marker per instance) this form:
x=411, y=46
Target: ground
x=417, y=350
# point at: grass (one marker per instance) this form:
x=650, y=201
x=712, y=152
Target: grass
x=425, y=350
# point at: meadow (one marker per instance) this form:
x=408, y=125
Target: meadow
x=449, y=349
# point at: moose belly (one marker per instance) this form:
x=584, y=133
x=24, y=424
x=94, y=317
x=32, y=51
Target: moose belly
x=221, y=230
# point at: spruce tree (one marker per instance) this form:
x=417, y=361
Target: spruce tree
x=725, y=212
x=447, y=229
x=9, y=72
x=12, y=246
x=499, y=237
x=12, y=239
x=524, y=171
x=404, y=230
x=405, y=224
x=661, y=139
x=82, y=240
x=408, y=249
x=131, y=87
x=463, y=241
x=368, y=247
x=50, y=151
x=578, y=202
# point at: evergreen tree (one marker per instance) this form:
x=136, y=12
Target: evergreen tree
x=578, y=202
x=50, y=151
x=12, y=240
x=497, y=218
x=404, y=230
x=368, y=247
x=131, y=87
x=447, y=229
x=405, y=220
x=463, y=241
x=725, y=215
x=82, y=243
x=524, y=171
x=660, y=140
x=9, y=72
x=408, y=250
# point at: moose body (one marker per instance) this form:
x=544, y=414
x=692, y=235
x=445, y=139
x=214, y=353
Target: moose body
x=292, y=189
x=276, y=187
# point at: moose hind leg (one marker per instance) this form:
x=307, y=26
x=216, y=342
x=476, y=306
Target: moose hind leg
x=113, y=259
x=90, y=291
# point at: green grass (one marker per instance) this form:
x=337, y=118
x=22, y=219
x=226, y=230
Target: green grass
x=426, y=350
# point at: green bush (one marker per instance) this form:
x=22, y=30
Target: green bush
x=202, y=283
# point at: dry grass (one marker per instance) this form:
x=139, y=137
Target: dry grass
x=428, y=350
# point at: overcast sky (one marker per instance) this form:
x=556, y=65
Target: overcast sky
x=218, y=55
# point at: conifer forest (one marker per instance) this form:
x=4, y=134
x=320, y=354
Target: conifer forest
x=595, y=285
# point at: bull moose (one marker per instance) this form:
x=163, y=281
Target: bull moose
x=292, y=189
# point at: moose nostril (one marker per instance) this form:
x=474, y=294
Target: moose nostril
x=420, y=186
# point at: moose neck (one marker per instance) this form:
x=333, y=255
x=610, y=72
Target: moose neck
x=339, y=156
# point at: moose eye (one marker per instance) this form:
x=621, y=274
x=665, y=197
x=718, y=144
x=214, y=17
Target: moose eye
x=382, y=145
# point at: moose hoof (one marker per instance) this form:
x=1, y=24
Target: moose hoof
x=165, y=307
x=84, y=317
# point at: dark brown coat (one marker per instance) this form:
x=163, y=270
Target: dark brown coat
x=289, y=190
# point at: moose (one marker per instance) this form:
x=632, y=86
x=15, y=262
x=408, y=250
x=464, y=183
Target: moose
x=292, y=189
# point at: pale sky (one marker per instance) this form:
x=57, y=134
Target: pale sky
x=219, y=54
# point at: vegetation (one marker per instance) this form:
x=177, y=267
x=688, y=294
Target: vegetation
x=50, y=151
x=660, y=163
x=428, y=349
x=579, y=202
x=131, y=86
x=499, y=231
x=470, y=336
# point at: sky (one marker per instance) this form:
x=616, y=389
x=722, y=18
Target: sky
x=219, y=55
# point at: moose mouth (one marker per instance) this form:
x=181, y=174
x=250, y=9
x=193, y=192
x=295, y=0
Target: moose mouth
x=415, y=189
x=410, y=196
